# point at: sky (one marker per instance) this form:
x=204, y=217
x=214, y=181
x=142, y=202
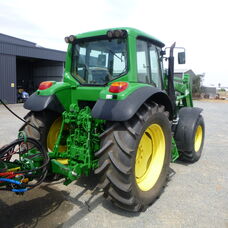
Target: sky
x=198, y=25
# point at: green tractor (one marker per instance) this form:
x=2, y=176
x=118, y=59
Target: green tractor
x=118, y=114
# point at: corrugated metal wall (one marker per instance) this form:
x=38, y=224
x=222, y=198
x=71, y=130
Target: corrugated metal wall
x=30, y=72
x=47, y=71
x=8, y=78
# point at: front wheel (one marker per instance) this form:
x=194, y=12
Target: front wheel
x=196, y=140
x=134, y=158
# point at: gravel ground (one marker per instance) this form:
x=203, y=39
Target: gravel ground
x=196, y=196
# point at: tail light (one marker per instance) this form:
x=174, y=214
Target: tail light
x=45, y=85
x=117, y=87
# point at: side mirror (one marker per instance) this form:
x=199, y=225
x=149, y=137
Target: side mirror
x=181, y=58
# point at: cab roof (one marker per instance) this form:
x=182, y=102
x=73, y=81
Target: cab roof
x=131, y=31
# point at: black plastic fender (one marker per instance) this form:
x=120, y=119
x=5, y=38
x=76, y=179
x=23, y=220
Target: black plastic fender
x=39, y=103
x=188, y=117
x=122, y=110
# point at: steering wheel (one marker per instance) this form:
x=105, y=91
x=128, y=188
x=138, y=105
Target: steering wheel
x=86, y=70
x=104, y=69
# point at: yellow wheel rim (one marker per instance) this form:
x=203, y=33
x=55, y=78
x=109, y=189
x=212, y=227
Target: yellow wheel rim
x=150, y=157
x=53, y=135
x=198, y=138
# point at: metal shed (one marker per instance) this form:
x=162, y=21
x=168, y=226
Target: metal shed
x=24, y=65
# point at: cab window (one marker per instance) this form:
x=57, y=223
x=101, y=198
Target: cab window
x=142, y=62
x=148, y=64
x=155, y=66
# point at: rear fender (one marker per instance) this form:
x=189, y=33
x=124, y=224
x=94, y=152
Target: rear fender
x=123, y=110
x=39, y=103
x=56, y=98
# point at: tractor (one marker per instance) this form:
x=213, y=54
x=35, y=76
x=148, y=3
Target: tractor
x=117, y=114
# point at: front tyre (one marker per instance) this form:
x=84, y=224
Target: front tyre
x=134, y=158
x=196, y=140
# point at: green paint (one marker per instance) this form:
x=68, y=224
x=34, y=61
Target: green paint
x=175, y=153
x=123, y=95
x=131, y=32
x=81, y=142
x=183, y=87
x=82, y=137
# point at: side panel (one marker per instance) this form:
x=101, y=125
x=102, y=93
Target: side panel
x=122, y=110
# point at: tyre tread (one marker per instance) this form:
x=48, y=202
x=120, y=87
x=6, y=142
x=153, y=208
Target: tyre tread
x=115, y=175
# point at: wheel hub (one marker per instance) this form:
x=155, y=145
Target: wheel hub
x=198, y=138
x=150, y=157
x=53, y=135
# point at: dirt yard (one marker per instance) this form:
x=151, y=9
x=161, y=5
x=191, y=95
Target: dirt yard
x=196, y=196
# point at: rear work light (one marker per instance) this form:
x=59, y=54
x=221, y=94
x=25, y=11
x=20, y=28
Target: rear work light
x=119, y=33
x=45, y=85
x=117, y=87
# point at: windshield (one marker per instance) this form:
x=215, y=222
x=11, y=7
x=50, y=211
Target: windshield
x=99, y=61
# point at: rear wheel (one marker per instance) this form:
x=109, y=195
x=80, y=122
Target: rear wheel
x=48, y=124
x=134, y=158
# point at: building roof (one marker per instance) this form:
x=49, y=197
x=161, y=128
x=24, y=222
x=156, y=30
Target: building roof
x=182, y=71
x=14, y=46
x=13, y=40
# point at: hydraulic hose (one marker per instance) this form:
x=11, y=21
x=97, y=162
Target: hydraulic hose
x=8, y=151
x=39, y=173
x=18, y=116
x=10, y=181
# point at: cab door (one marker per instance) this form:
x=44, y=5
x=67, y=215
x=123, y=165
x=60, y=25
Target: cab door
x=148, y=64
x=155, y=66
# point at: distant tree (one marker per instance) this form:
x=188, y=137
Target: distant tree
x=197, y=83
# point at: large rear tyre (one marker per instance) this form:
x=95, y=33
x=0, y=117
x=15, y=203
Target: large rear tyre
x=48, y=125
x=134, y=158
